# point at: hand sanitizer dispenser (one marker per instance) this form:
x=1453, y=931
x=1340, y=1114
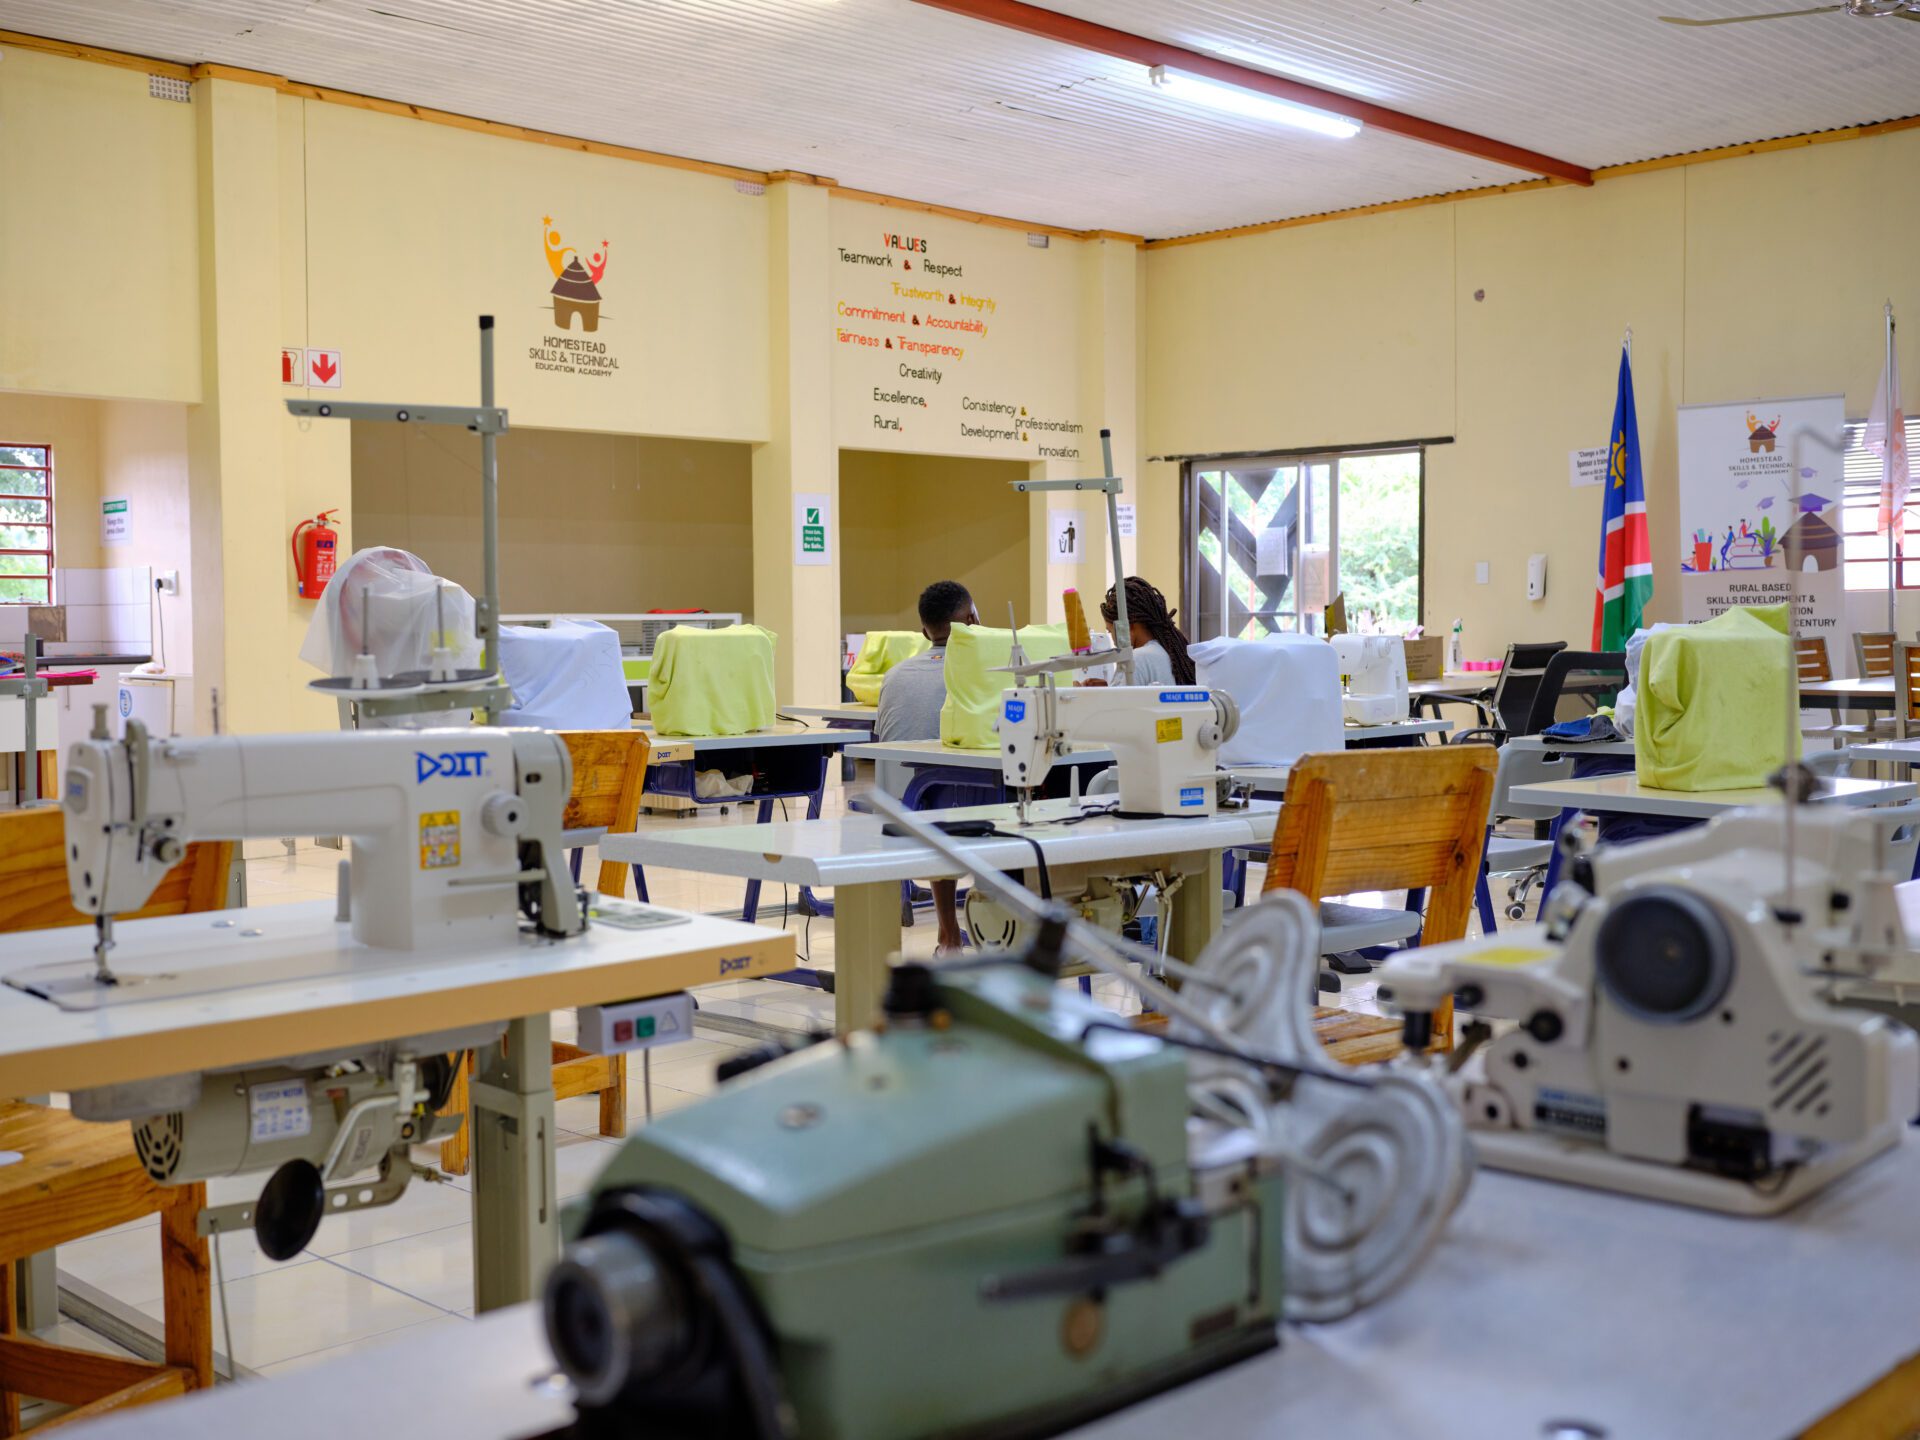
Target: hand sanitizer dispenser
x=1536, y=577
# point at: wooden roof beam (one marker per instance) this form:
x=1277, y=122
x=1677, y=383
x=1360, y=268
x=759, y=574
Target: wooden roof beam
x=1124, y=45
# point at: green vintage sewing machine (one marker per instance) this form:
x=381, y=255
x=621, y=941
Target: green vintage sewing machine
x=1002, y=1211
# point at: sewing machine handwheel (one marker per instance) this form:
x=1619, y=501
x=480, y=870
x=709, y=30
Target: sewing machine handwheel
x=1664, y=956
x=290, y=1210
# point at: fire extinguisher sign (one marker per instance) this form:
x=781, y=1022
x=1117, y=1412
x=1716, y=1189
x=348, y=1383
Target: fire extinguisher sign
x=310, y=367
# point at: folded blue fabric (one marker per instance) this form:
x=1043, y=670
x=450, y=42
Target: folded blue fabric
x=1586, y=730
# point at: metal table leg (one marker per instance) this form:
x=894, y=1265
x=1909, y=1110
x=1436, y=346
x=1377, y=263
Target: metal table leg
x=866, y=931
x=516, y=1233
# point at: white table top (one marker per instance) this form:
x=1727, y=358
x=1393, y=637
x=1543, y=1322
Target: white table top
x=1573, y=748
x=781, y=732
x=1541, y=1302
x=373, y=995
x=924, y=753
x=847, y=711
x=1625, y=795
x=1862, y=692
x=850, y=850
x=1458, y=682
x=1892, y=750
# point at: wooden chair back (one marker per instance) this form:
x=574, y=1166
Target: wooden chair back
x=1811, y=659
x=1407, y=819
x=1873, y=653
x=609, y=772
x=33, y=875
x=1906, y=684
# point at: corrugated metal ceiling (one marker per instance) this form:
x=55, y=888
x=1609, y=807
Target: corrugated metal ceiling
x=890, y=96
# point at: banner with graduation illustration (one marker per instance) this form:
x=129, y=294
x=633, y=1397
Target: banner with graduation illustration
x=1745, y=514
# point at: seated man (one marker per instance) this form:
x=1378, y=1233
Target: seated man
x=910, y=701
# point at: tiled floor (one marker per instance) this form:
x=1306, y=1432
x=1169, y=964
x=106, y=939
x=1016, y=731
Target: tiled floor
x=373, y=1274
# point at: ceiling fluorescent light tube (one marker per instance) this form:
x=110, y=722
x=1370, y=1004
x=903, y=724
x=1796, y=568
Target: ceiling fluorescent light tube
x=1252, y=105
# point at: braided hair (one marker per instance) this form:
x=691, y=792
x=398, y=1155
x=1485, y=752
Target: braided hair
x=1148, y=608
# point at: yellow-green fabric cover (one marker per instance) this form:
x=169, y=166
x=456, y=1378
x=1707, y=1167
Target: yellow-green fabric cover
x=1713, y=702
x=973, y=687
x=711, y=682
x=879, y=653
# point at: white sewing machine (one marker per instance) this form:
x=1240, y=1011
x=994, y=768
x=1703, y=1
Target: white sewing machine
x=1678, y=1034
x=454, y=834
x=1164, y=741
x=1373, y=677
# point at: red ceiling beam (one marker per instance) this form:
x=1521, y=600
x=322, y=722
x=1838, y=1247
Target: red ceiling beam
x=1104, y=40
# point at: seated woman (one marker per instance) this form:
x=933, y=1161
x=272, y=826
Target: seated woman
x=1159, y=649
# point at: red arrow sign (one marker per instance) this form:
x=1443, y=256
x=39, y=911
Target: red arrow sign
x=325, y=366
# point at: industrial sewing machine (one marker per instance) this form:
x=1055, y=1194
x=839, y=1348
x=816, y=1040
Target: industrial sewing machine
x=1678, y=1034
x=1164, y=740
x=1003, y=1210
x=1373, y=678
x=455, y=837
x=454, y=832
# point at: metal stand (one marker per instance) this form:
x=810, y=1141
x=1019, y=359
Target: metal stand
x=489, y=422
x=516, y=1232
x=31, y=689
x=1112, y=486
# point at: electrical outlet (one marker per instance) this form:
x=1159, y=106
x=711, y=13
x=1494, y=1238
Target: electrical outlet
x=1480, y=573
x=167, y=582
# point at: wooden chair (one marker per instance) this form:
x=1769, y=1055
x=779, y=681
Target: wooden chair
x=1413, y=819
x=76, y=1179
x=1906, y=688
x=609, y=773
x=1814, y=664
x=1873, y=653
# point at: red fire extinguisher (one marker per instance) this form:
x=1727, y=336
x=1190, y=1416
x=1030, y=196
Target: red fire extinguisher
x=315, y=552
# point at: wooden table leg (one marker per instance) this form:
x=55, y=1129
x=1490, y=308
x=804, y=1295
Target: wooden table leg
x=184, y=1276
x=613, y=1100
x=866, y=933
x=9, y=1304
x=1197, y=906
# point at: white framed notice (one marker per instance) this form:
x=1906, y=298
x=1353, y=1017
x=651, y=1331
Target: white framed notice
x=116, y=521
x=1066, y=536
x=1587, y=467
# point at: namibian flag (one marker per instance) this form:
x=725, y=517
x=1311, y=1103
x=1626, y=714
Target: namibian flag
x=1626, y=556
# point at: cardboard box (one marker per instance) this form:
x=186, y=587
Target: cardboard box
x=1426, y=657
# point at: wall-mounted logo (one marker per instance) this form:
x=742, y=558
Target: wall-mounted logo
x=452, y=763
x=576, y=283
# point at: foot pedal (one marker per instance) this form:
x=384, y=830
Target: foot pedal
x=1329, y=983
x=1350, y=964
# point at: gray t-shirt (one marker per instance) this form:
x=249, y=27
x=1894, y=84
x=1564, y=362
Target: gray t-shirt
x=910, y=701
x=1152, y=665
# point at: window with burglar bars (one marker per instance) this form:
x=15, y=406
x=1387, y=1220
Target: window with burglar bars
x=1865, y=549
x=26, y=524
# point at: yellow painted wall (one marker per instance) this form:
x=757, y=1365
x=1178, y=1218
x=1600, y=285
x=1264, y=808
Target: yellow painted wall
x=908, y=520
x=98, y=238
x=413, y=230
x=588, y=522
x=1740, y=278
x=72, y=428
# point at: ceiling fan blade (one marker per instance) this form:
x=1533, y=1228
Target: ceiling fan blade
x=1743, y=19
